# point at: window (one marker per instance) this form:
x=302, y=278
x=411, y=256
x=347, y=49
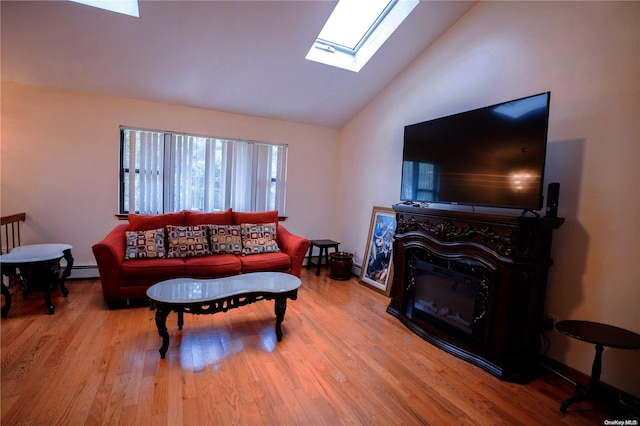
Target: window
x=356, y=29
x=164, y=172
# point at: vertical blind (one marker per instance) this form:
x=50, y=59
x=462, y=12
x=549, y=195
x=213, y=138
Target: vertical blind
x=164, y=172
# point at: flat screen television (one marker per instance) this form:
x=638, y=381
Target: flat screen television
x=492, y=156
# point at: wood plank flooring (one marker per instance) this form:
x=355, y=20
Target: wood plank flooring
x=343, y=361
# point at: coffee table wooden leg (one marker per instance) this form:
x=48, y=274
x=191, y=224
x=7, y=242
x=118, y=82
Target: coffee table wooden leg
x=180, y=319
x=280, y=307
x=161, y=322
x=47, y=302
x=67, y=272
x=52, y=272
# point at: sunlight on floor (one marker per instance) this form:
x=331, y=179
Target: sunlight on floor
x=207, y=346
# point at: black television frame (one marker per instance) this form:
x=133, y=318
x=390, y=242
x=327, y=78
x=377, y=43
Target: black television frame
x=540, y=132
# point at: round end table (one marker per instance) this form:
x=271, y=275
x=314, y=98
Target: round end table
x=601, y=335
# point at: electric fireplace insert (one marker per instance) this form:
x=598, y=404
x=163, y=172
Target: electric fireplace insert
x=450, y=294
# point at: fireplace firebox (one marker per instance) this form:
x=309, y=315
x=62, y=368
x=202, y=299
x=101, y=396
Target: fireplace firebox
x=474, y=285
x=449, y=294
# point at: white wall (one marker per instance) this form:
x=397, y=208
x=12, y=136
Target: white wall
x=587, y=54
x=59, y=161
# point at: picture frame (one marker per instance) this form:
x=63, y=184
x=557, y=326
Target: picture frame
x=377, y=264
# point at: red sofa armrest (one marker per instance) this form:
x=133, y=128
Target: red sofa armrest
x=295, y=246
x=109, y=254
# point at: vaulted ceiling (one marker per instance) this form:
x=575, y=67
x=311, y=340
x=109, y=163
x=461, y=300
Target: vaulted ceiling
x=245, y=57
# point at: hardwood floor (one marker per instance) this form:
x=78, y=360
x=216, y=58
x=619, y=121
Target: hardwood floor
x=343, y=360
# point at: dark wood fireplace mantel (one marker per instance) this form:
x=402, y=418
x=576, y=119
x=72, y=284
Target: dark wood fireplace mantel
x=514, y=252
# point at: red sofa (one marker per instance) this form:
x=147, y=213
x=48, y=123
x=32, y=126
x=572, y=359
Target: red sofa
x=125, y=279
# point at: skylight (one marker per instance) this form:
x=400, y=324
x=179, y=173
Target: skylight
x=126, y=7
x=351, y=20
x=356, y=29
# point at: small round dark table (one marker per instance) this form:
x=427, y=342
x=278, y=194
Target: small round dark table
x=601, y=335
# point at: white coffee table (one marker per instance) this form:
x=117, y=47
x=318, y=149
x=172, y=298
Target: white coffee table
x=37, y=262
x=202, y=296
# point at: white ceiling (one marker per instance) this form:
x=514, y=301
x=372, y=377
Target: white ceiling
x=244, y=57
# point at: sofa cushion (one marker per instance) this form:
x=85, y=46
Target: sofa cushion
x=217, y=265
x=225, y=239
x=259, y=238
x=270, y=216
x=187, y=241
x=140, y=222
x=145, y=244
x=265, y=262
x=162, y=269
x=213, y=218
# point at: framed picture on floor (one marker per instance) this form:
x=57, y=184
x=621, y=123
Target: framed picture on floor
x=377, y=264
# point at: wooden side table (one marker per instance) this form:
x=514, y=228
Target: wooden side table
x=324, y=246
x=601, y=335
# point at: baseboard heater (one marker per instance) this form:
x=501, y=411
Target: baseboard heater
x=84, y=272
x=356, y=269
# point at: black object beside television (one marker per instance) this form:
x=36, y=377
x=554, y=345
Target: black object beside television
x=492, y=156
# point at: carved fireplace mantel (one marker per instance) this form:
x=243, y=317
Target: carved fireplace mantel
x=500, y=262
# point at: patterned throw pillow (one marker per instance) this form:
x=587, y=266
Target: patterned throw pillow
x=259, y=238
x=145, y=244
x=225, y=239
x=187, y=241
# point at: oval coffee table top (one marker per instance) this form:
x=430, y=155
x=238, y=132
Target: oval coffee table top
x=600, y=334
x=35, y=253
x=194, y=290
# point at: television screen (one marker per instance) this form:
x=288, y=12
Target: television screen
x=492, y=156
